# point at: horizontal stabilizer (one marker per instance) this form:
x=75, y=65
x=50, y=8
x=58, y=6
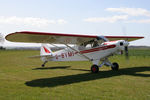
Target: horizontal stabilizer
x=39, y=56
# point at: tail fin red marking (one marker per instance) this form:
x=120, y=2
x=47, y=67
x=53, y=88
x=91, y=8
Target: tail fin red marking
x=46, y=50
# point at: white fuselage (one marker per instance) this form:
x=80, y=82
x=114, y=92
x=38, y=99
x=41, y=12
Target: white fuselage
x=95, y=53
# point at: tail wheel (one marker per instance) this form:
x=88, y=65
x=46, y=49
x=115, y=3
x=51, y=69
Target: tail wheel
x=115, y=66
x=94, y=69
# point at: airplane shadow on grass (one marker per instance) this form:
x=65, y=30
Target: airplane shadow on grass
x=56, y=67
x=64, y=80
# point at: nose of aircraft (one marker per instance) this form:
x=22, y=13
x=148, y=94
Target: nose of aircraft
x=123, y=45
x=126, y=43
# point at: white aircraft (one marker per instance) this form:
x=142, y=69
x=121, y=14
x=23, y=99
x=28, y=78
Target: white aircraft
x=86, y=47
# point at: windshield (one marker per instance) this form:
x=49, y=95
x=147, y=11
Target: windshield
x=92, y=43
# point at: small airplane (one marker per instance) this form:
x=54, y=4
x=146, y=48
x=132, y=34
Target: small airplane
x=91, y=48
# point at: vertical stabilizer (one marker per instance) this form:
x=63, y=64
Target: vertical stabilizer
x=45, y=50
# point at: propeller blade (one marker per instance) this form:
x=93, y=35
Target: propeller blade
x=126, y=52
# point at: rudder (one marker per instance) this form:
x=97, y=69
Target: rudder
x=45, y=50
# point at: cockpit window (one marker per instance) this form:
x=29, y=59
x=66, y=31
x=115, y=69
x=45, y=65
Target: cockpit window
x=91, y=44
x=95, y=44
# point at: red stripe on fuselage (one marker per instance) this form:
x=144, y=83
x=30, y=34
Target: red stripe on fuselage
x=65, y=55
x=98, y=49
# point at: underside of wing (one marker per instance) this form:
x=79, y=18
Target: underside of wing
x=127, y=38
x=43, y=37
x=60, y=38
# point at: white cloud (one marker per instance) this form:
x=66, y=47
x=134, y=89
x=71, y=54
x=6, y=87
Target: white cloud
x=128, y=13
x=139, y=21
x=29, y=21
x=131, y=11
x=107, y=19
x=61, y=21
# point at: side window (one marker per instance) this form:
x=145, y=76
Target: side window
x=90, y=44
x=95, y=44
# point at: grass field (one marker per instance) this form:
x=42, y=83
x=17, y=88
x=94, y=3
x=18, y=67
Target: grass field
x=22, y=78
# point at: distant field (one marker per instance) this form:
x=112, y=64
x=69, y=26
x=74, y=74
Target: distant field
x=22, y=78
x=139, y=52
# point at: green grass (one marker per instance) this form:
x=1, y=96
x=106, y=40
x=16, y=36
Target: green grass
x=139, y=52
x=22, y=78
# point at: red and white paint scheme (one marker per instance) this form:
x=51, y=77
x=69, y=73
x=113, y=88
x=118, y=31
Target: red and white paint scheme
x=85, y=47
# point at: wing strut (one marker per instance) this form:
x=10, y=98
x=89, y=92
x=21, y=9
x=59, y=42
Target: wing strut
x=79, y=52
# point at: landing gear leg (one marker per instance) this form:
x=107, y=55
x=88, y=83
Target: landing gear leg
x=106, y=62
x=43, y=65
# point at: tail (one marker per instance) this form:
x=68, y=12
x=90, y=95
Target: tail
x=45, y=50
x=46, y=53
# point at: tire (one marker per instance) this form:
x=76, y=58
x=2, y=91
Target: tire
x=42, y=65
x=94, y=69
x=115, y=66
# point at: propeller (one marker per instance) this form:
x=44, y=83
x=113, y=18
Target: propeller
x=126, y=50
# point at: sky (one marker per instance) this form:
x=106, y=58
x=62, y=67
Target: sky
x=98, y=17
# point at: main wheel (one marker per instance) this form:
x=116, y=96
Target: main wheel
x=94, y=69
x=115, y=66
x=42, y=65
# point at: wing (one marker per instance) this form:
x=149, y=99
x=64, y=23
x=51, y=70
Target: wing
x=127, y=38
x=43, y=37
x=59, y=38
